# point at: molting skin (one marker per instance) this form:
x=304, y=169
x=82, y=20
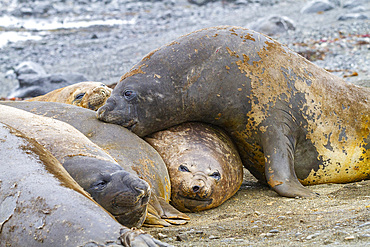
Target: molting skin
x=293, y=122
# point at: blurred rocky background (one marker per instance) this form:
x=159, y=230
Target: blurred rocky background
x=50, y=44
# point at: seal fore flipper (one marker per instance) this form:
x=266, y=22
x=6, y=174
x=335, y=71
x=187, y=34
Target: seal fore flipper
x=279, y=143
x=160, y=213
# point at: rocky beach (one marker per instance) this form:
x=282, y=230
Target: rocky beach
x=100, y=40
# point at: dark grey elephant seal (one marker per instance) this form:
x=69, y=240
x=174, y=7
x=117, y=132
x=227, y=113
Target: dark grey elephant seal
x=293, y=122
x=121, y=193
x=203, y=163
x=41, y=205
x=132, y=153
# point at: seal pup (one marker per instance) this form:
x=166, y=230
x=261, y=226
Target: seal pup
x=204, y=165
x=89, y=94
x=294, y=123
x=121, y=193
x=131, y=152
x=41, y=205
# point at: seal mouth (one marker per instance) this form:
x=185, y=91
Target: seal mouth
x=205, y=200
x=130, y=125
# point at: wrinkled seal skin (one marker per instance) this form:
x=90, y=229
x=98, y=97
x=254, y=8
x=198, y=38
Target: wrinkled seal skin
x=41, y=205
x=121, y=193
x=89, y=94
x=204, y=165
x=293, y=122
x=131, y=152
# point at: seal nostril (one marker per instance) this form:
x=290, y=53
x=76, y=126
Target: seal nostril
x=196, y=188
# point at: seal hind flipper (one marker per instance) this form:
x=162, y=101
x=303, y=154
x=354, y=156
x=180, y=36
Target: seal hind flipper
x=279, y=143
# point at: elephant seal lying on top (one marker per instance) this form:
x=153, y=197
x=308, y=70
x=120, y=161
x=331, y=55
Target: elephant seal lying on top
x=89, y=94
x=120, y=192
x=132, y=153
x=293, y=122
x=41, y=205
x=204, y=165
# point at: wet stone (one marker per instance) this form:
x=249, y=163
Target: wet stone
x=317, y=6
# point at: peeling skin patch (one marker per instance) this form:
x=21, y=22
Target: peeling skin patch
x=273, y=182
x=7, y=207
x=134, y=71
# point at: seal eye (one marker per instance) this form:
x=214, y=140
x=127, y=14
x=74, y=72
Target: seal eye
x=129, y=94
x=100, y=185
x=79, y=96
x=216, y=175
x=183, y=168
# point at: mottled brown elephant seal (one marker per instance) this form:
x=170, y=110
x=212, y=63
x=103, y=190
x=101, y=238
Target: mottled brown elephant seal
x=293, y=122
x=88, y=94
x=41, y=205
x=120, y=192
x=132, y=153
x=204, y=165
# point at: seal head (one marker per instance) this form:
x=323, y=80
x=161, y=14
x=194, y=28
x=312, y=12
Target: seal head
x=90, y=95
x=121, y=193
x=204, y=165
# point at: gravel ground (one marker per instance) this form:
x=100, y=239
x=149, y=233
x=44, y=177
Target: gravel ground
x=105, y=53
x=255, y=216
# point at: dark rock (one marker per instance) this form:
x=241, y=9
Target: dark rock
x=201, y=2
x=352, y=16
x=29, y=68
x=354, y=3
x=317, y=6
x=32, y=85
x=273, y=25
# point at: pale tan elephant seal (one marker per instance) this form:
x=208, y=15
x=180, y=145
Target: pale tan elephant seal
x=203, y=163
x=88, y=94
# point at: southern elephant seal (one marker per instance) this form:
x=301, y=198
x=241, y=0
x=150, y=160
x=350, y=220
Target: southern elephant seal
x=294, y=123
x=121, y=193
x=88, y=94
x=41, y=205
x=132, y=153
x=204, y=165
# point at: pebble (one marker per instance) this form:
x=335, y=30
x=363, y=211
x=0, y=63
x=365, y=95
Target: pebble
x=162, y=236
x=274, y=231
x=349, y=238
x=317, y=6
x=365, y=224
x=309, y=237
x=355, y=16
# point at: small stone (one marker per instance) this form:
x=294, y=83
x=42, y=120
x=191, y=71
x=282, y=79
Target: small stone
x=365, y=224
x=161, y=236
x=274, y=231
x=317, y=6
x=298, y=234
x=269, y=234
x=257, y=213
x=181, y=237
x=312, y=236
x=213, y=237
x=353, y=16
x=327, y=241
x=349, y=238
